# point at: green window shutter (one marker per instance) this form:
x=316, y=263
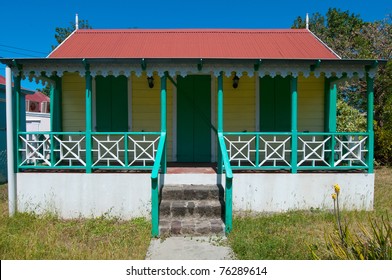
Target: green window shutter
x=111, y=104
x=103, y=103
x=119, y=103
x=275, y=104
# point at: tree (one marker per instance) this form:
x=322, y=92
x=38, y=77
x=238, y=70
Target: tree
x=63, y=32
x=351, y=37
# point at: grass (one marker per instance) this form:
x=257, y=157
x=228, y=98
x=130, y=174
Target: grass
x=289, y=235
x=277, y=236
x=28, y=236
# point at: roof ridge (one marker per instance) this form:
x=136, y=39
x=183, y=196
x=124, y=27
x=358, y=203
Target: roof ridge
x=192, y=30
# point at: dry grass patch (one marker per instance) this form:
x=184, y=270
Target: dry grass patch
x=28, y=236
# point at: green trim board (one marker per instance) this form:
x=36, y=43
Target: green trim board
x=194, y=118
x=111, y=103
x=275, y=104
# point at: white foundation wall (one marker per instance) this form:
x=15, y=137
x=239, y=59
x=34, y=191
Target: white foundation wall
x=284, y=192
x=75, y=195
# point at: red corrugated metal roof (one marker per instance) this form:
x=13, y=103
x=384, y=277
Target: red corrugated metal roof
x=194, y=43
x=2, y=80
x=37, y=97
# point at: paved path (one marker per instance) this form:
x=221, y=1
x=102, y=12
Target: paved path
x=190, y=248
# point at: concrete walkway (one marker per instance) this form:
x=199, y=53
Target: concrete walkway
x=190, y=248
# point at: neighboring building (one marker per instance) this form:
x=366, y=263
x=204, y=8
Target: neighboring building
x=3, y=138
x=37, y=112
x=260, y=105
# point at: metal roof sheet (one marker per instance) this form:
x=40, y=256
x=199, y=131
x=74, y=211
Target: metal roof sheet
x=194, y=43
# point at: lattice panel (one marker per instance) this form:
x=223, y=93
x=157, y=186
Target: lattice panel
x=241, y=151
x=108, y=151
x=69, y=150
x=314, y=151
x=142, y=149
x=351, y=150
x=275, y=150
x=35, y=149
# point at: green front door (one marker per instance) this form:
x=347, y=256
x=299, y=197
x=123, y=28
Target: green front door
x=194, y=118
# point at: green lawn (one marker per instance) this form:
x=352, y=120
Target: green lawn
x=27, y=236
x=274, y=236
x=289, y=235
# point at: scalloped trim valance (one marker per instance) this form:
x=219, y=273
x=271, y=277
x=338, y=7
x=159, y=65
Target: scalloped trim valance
x=41, y=71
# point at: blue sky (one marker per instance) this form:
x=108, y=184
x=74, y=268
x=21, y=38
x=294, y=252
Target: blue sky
x=30, y=25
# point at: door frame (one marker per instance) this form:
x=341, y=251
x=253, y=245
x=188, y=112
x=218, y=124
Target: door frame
x=213, y=117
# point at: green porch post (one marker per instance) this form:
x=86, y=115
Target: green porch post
x=55, y=115
x=88, y=117
x=294, y=132
x=163, y=117
x=55, y=105
x=17, y=119
x=331, y=111
x=220, y=119
x=370, y=105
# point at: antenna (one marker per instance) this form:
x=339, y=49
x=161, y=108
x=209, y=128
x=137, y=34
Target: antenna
x=76, y=22
x=307, y=21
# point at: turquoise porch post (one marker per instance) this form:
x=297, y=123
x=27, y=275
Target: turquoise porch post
x=88, y=117
x=55, y=114
x=294, y=131
x=220, y=118
x=163, y=117
x=370, y=109
x=17, y=118
x=331, y=111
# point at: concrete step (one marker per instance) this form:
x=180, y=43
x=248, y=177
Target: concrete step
x=191, y=192
x=191, y=208
x=191, y=226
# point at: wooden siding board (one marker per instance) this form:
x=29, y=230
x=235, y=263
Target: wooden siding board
x=311, y=103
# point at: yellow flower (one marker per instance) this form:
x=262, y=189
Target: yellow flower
x=334, y=196
x=337, y=188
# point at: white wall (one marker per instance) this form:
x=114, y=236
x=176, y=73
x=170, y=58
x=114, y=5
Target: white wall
x=37, y=121
x=283, y=192
x=74, y=195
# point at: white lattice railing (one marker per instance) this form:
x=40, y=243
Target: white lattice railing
x=52, y=150
x=124, y=150
x=258, y=150
x=332, y=150
x=68, y=150
x=251, y=150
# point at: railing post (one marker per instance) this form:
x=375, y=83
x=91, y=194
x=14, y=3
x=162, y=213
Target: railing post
x=228, y=205
x=155, y=207
x=163, y=118
x=294, y=132
x=88, y=117
x=370, y=131
x=220, y=118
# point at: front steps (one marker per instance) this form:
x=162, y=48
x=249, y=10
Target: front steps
x=191, y=210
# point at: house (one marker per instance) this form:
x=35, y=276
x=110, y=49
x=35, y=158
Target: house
x=3, y=138
x=37, y=112
x=127, y=105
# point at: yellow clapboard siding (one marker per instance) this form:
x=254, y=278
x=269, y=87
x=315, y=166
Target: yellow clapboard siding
x=74, y=103
x=239, y=104
x=310, y=103
x=146, y=107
